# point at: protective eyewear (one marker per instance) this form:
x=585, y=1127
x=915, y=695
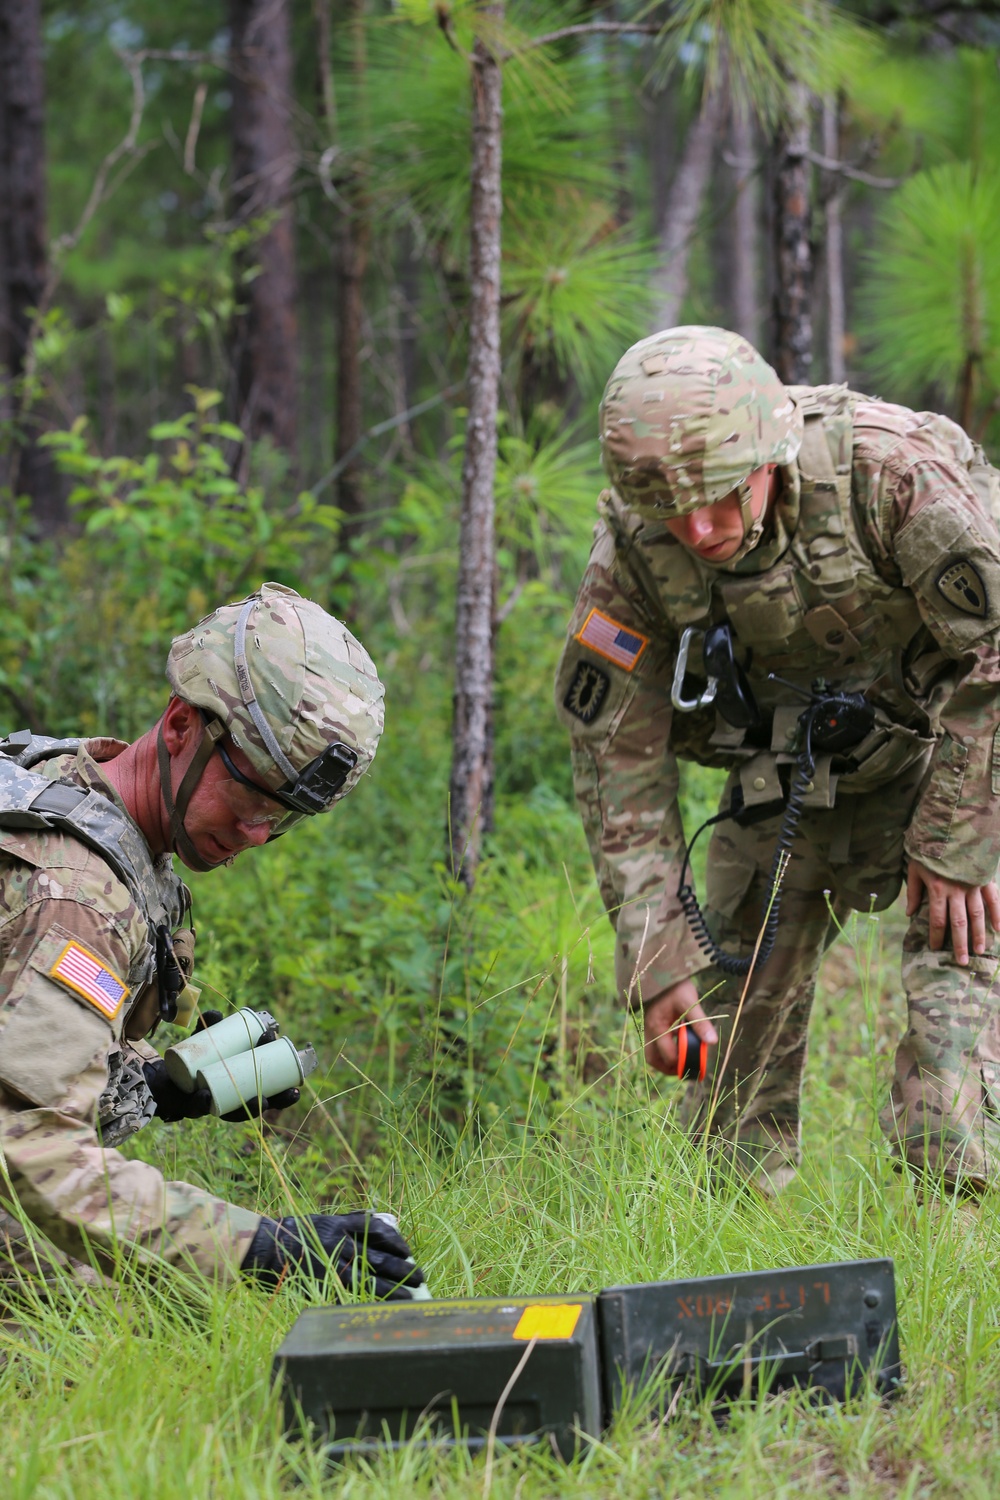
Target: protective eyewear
x=313, y=788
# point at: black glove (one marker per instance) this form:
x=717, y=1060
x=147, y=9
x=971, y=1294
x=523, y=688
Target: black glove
x=363, y=1250
x=172, y=1103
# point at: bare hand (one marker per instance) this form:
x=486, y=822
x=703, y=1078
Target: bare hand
x=952, y=906
x=663, y=1015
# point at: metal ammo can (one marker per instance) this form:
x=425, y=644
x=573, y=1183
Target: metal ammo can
x=364, y=1376
x=828, y=1327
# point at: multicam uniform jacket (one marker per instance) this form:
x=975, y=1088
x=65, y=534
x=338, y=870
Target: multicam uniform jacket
x=880, y=573
x=75, y=973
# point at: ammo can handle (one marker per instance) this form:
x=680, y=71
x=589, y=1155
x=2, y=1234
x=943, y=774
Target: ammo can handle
x=792, y=1361
x=373, y=1445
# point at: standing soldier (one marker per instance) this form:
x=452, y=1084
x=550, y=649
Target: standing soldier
x=800, y=585
x=275, y=714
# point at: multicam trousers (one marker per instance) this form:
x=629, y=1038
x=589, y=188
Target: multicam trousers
x=943, y=1113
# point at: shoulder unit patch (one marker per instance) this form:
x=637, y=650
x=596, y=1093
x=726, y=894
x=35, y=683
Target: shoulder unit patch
x=83, y=973
x=612, y=640
x=962, y=586
x=587, y=692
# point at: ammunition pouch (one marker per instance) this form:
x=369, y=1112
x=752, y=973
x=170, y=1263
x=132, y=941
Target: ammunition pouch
x=888, y=751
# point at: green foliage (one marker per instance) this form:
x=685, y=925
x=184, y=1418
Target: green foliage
x=419, y=145
x=575, y=286
x=933, y=294
x=161, y=540
x=476, y=1074
x=608, y=1190
x=947, y=106
x=575, y=291
x=757, y=48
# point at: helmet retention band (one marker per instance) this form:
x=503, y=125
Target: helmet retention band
x=753, y=526
x=177, y=807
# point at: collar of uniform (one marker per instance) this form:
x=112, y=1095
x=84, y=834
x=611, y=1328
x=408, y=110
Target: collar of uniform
x=86, y=767
x=83, y=768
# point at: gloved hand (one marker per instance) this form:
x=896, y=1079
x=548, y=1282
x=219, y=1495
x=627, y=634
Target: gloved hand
x=172, y=1103
x=362, y=1249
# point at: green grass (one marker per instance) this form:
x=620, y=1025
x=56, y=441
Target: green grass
x=166, y=1390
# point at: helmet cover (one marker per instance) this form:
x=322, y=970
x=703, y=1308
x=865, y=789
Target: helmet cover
x=688, y=415
x=313, y=681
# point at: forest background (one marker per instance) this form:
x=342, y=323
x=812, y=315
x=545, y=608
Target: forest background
x=272, y=275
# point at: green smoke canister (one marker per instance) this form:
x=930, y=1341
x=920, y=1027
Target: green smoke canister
x=237, y=1033
x=262, y=1071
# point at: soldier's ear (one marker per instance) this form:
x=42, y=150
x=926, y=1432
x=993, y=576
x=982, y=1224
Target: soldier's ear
x=181, y=724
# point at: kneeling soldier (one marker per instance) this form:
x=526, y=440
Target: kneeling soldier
x=275, y=714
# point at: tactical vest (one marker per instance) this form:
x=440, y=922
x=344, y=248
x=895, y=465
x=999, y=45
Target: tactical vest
x=821, y=610
x=31, y=802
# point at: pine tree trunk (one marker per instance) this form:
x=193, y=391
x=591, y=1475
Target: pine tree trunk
x=617, y=94
x=745, y=231
x=683, y=207
x=264, y=161
x=354, y=248
x=408, y=280
x=835, y=314
x=660, y=144
x=27, y=468
x=472, y=731
x=793, y=249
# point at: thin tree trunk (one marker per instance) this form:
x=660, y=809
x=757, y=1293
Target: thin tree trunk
x=619, y=128
x=472, y=731
x=408, y=280
x=264, y=161
x=745, y=231
x=793, y=249
x=683, y=207
x=324, y=66
x=355, y=246
x=350, y=324
x=28, y=468
x=660, y=110
x=835, y=316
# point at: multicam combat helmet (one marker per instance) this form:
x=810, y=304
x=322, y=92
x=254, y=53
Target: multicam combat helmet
x=688, y=415
x=292, y=688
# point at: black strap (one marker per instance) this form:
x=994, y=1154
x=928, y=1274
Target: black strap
x=177, y=807
x=59, y=799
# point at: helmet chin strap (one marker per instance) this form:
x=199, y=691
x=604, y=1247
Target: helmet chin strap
x=753, y=526
x=177, y=807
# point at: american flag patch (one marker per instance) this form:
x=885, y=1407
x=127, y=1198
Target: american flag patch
x=611, y=640
x=85, y=974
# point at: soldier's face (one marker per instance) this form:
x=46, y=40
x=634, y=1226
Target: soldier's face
x=224, y=817
x=715, y=532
